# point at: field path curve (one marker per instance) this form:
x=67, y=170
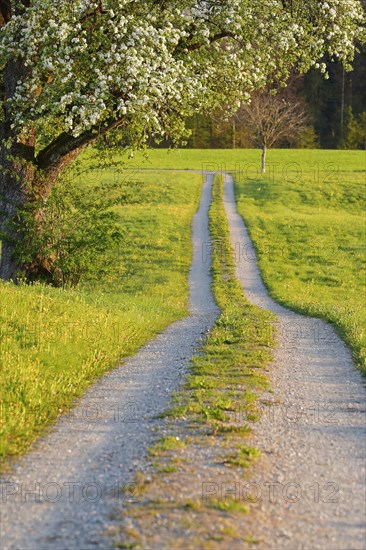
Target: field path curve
x=309, y=487
x=87, y=462
x=309, y=482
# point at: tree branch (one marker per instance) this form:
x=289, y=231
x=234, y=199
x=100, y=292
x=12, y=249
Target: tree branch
x=65, y=144
x=198, y=45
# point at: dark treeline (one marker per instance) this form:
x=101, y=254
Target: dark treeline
x=335, y=104
x=337, y=109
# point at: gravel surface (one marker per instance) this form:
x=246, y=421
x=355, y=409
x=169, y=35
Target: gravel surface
x=69, y=489
x=310, y=485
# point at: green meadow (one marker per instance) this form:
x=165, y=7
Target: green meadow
x=55, y=343
x=305, y=216
x=280, y=161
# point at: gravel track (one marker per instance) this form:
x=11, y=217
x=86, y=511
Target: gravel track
x=86, y=463
x=311, y=431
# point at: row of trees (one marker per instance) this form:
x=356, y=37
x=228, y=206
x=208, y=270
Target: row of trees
x=335, y=103
x=334, y=112
x=72, y=73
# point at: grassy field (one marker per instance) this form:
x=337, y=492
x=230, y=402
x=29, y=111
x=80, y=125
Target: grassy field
x=321, y=164
x=54, y=343
x=307, y=220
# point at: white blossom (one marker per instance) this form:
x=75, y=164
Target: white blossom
x=142, y=61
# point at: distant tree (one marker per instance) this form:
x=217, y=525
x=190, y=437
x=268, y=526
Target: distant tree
x=270, y=119
x=307, y=139
x=201, y=132
x=229, y=133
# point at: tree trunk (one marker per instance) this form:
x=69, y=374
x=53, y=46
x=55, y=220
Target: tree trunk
x=24, y=189
x=18, y=190
x=264, y=153
x=13, y=173
x=26, y=180
x=9, y=267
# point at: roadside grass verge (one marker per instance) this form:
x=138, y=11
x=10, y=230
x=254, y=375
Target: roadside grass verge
x=54, y=343
x=310, y=237
x=206, y=431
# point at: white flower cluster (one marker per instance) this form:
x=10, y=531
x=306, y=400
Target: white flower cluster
x=89, y=63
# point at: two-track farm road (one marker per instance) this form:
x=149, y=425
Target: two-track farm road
x=310, y=482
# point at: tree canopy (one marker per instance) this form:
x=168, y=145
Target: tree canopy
x=93, y=65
